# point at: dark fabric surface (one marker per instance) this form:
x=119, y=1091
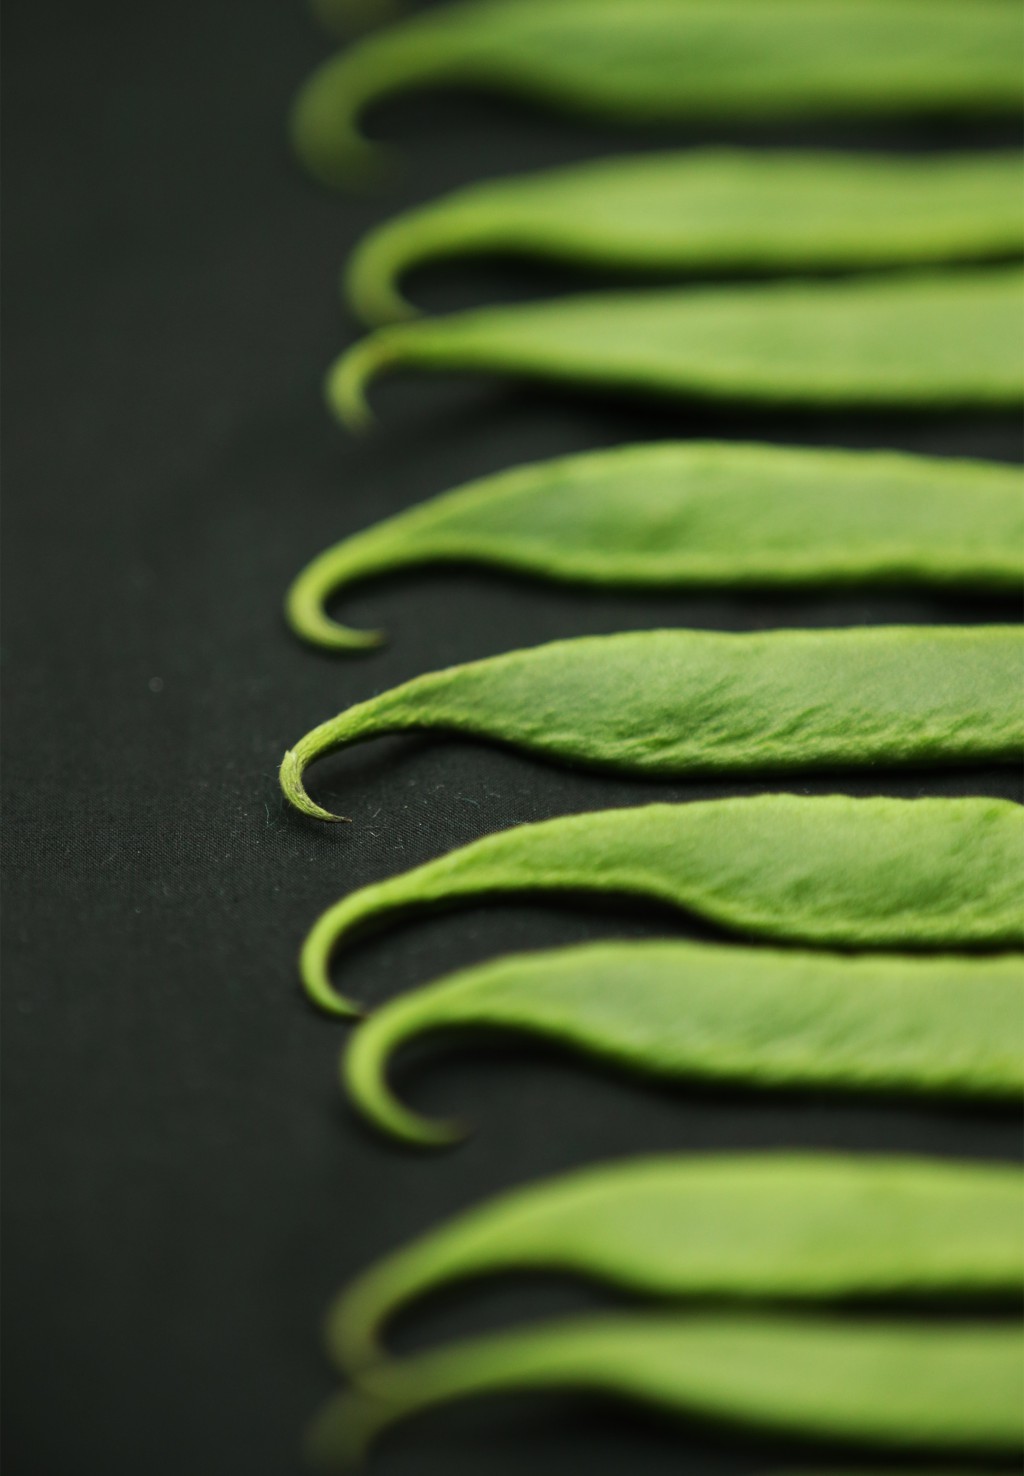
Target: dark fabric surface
x=184, y=1187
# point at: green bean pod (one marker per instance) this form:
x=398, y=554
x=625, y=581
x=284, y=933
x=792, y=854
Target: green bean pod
x=661, y=61
x=922, y=342
x=688, y=1012
x=830, y=870
x=709, y=210
x=879, y=1384
x=677, y=702
x=767, y=1226
x=699, y=514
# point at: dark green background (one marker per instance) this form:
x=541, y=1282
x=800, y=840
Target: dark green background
x=184, y=1187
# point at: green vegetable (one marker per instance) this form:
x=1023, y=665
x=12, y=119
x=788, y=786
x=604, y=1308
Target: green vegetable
x=711, y=210
x=691, y=514
x=771, y=1225
x=657, y=61
x=924, y=342
x=664, y=702
x=874, y=873
x=871, y=1384
x=687, y=1011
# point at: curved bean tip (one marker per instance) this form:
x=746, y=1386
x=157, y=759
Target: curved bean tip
x=314, y=971
x=306, y=616
x=321, y=992
x=330, y=635
x=420, y=1132
x=388, y=1115
x=352, y=1330
x=348, y=638
x=364, y=1079
x=345, y=387
x=324, y=130
x=370, y=287
x=294, y=790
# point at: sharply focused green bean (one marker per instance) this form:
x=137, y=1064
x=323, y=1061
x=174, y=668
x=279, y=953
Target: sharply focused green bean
x=710, y=210
x=831, y=870
x=655, y=61
x=872, y=1384
x=670, y=702
x=921, y=342
x=695, y=513
x=685, y=1012
x=772, y=1225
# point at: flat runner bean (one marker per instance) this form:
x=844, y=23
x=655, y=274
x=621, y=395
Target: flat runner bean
x=694, y=514
x=829, y=870
x=778, y=1226
x=690, y=1012
x=676, y=702
x=878, y=1384
x=661, y=61
x=923, y=342
x=717, y=210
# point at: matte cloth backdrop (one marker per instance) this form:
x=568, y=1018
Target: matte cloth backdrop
x=185, y=1189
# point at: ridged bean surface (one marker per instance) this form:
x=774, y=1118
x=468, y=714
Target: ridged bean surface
x=829, y=870
x=697, y=514
x=676, y=702
x=924, y=342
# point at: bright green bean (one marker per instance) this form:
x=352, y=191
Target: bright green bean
x=672, y=702
x=656, y=61
x=875, y=1384
x=714, y=210
x=925, y=342
x=777, y=1226
x=685, y=1012
x=832, y=870
x=700, y=514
